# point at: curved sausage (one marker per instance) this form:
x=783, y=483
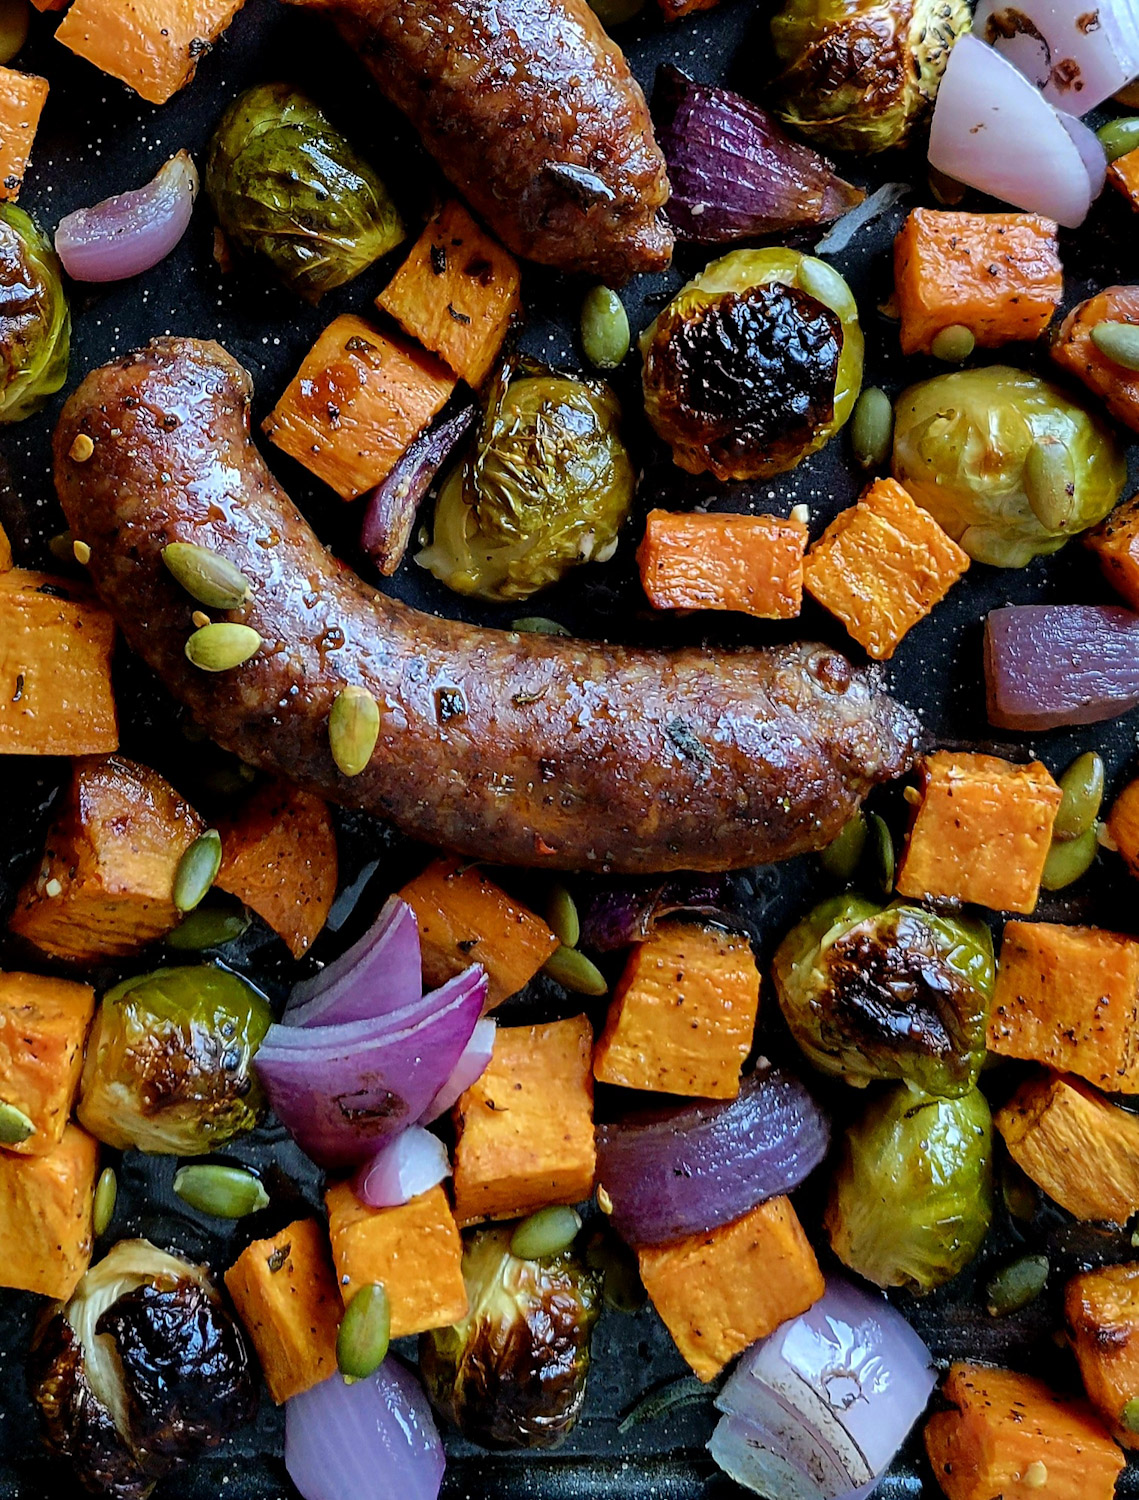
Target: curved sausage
x=533, y=114
x=518, y=749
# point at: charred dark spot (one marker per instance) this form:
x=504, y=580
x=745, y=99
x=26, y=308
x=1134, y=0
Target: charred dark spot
x=687, y=744
x=279, y=1259
x=479, y=269
x=449, y=704
x=19, y=693
x=459, y=317
x=370, y=1106
x=439, y=259
x=199, y=47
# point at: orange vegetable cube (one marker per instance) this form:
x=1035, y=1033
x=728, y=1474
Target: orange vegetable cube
x=981, y=833
x=5, y=551
x=1116, y=541
x=43, y=1025
x=1123, y=825
x=524, y=1131
x=457, y=293
x=881, y=566
x=1123, y=174
x=358, y=401
x=414, y=1252
x=55, y=668
x=46, y=1204
x=22, y=99
x=673, y=10
x=1102, y=1309
x=1075, y=352
x=717, y=1293
x=285, y=1293
x=998, y=275
x=683, y=1016
x=153, y=46
x=753, y=564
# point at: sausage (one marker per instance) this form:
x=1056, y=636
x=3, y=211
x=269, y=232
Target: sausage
x=518, y=749
x=531, y=111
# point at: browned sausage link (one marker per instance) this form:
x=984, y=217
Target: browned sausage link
x=520, y=749
x=533, y=114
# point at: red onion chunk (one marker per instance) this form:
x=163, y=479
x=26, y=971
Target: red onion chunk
x=734, y=172
x=468, y=1070
x=127, y=234
x=379, y=974
x=372, y=1440
x=390, y=512
x=411, y=1164
x=1090, y=147
x=686, y=1171
x=1076, y=65
x=622, y=912
x=1047, y=665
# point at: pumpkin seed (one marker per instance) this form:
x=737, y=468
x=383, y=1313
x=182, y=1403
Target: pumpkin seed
x=1070, y=861
x=842, y=856
x=538, y=625
x=82, y=553
x=1118, y=137
x=62, y=547
x=1082, y=785
x=197, y=870
x=15, y=1127
x=209, y=927
x=206, y=576
x=365, y=1332
x=221, y=647
x=13, y=28
x=545, y=1234
x=872, y=428
x=604, y=328
x=353, y=729
x=561, y=914
x=1016, y=1285
x=880, y=853
x=1019, y=1192
x=82, y=448
x=1129, y=1416
x=953, y=345
x=1118, y=342
x=106, y=1196
x=573, y=971
x=1049, y=480
x=822, y=282
x=224, y=1192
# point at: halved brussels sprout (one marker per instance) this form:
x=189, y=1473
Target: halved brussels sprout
x=548, y=486
x=874, y=992
x=169, y=1062
x=1006, y=462
x=35, y=320
x=754, y=364
x=512, y=1374
x=287, y=186
x=912, y=1198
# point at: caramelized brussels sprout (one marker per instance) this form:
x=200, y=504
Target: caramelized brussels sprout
x=754, y=364
x=913, y=1195
x=288, y=187
x=548, y=486
x=142, y=1370
x=169, y=1062
x=875, y=992
x=857, y=75
x=1006, y=462
x=512, y=1373
x=35, y=320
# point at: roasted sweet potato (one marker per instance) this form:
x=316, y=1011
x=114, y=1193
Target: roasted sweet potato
x=1116, y=542
x=1123, y=825
x=5, y=551
x=22, y=98
x=1102, y=1309
x=153, y=46
x=752, y=564
x=673, y=10
x=43, y=1025
x=1123, y=175
x=1074, y=351
x=46, y=1203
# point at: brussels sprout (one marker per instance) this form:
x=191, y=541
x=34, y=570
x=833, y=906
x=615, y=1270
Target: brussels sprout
x=287, y=186
x=143, y=1370
x=512, y=1373
x=754, y=364
x=1006, y=462
x=548, y=486
x=168, y=1065
x=913, y=1195
x=857, y=75
x=35, y=320
x=888, y=992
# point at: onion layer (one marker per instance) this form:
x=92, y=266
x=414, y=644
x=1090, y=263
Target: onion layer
x=127, y=234
x=1077, y=57
x=379, y=974
x=1047, y=665
x=390, y=512
x=468, y=1070
x=413, y=1163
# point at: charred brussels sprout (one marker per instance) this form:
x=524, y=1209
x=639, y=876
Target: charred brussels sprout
x=913, y=1195
x=142, y=1370
x=875, y=992
x=754, y=364
x=169, y=1062
x=512, y=1373
x=35, y=321
x=288, y=187
x=858, y=74
x=1006, y=462
x=548, y=486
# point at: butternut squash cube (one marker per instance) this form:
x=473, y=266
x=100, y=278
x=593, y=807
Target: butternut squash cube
x=1123, y=825
x=1123, y=175
x=981, y=832
x=752, y=564
x=285, y=1293
x=43, y=1025
x=1102, y=1309
x=46, y=1204
x=153, y=46
x=413, y=1251
x=683, y=1016
x=22, y=98
x=717, y=1293
x=1075, y=351
x=524, y=1131
x=5, y=551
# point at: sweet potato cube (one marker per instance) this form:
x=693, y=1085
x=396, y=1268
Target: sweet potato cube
x=1010, y=1436
x=415, y=1252
x=524, y=1131
x=457, y=293
x=356, y=404
x=55, y=668
x=46, y=1204
x=1068, y=997
x=1123, y=174
x=285, y=1293
x=674, y=10
x=717, y=1293
x=683, y=1016
x=1102, y=1309
x=881, y=566
x=981, y=833
x=1123, y=825
x=22, y=98
x=751, y=564
x=104, y=887
x=279, y=858
x=1081, y=1150
x=43, y=1025
x=465, y=919
x=153, y=46
x=1074, y=351
x=5, y=551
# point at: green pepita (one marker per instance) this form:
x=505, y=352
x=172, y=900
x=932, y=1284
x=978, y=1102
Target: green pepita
x=1082, y=785
x=365, y=1332
x=604, y=328
x=1019, y=1192
x=538, y=625
x=206, y=576
x=353, y=729
x=209, y=927
x=872, y=428
x=197, y=870
x=106, y=1196
x=573, y=971
x=1070, y=861
x=545, y=1234
x=1118, y=137
x=15, y=1127
x=221, y=647
x=1129, y=1416
x=562, y=917
x=822, y=282
x=1049, y=480
x=841, y=858
x=62, y=547
x=13, y=28
x=224, y=1192
x=1016, y=1285
x=880, y=854
x=953, y=345
x=1118, y=342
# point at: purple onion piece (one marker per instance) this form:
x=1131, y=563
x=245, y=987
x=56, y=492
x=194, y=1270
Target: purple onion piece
x=379, y=974
x=468, y=1070
x=623, y=912
x=389, y=515
x=411, y=1164
x=1048, y=665
x=131, y=232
